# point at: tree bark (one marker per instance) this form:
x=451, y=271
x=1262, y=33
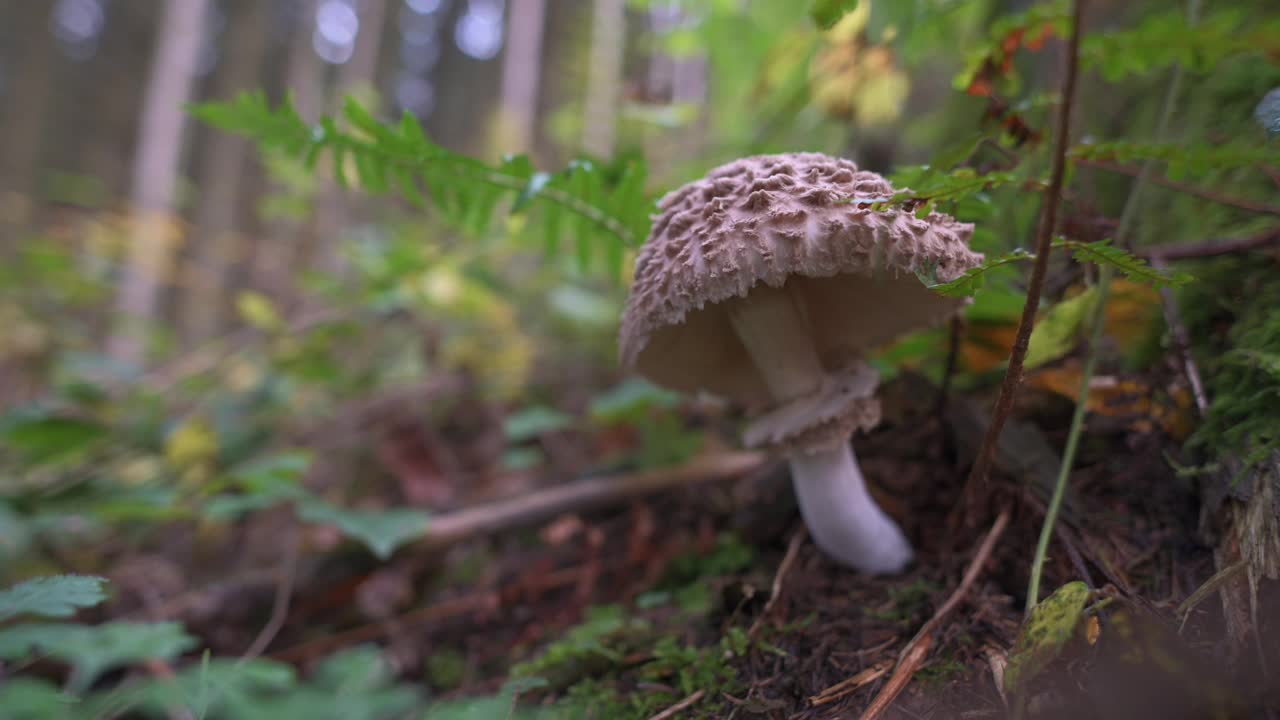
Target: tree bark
x=22, y=120
x=281, y=249
x=604, y=77
x=155, y=175
x=216, y=243
x=333, y=213
x=521, y=70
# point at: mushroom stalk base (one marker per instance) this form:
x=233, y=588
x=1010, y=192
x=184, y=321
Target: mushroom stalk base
x=841, y=515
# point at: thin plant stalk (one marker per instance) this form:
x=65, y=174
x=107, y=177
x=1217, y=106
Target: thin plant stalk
x=1097, y=320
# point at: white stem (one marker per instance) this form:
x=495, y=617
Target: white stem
x=841, y=515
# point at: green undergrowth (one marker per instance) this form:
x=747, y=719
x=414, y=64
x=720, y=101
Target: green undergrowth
x=1232, y=315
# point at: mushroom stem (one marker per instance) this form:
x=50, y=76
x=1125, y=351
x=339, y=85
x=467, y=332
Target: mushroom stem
x=841, y=515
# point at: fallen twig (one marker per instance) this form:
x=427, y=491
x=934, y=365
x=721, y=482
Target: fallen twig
x=1182, y=340
x=914, y=654
x=1044, y=237
x=1210, y=586
x=682, y=705
x=851, y=685
x=793, y=549
x=584, y=495
x=284, y=591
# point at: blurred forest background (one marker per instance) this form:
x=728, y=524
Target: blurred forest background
x=260, y=393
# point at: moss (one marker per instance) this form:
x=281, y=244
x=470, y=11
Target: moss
x=1230, y=312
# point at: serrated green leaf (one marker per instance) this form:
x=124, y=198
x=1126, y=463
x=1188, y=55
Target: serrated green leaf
x=1136, y=269
x=52, y=596
x=1045, y=634
x=382, y=531
x=91, y=650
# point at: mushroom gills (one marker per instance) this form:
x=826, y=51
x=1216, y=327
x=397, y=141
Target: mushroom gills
x=840, y=513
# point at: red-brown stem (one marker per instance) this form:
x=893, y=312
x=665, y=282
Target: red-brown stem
x=1048, y=223
x=1212, y=248
x=1182, y=187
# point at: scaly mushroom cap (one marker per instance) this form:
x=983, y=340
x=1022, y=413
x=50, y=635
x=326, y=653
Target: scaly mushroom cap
x=782, y=220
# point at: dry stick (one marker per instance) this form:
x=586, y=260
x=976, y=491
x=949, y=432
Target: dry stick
x=1044, y=241
x=913, y=656
x=1182, y=341
x=793, y=550
x=850, y=685
x=1182, y=187
x=584, y=495
x=682, y=705
x=284, y=591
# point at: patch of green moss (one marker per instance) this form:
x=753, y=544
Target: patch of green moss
x=1230, y=312
x=906, y=602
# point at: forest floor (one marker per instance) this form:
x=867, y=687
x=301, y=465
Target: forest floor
x=709, y=601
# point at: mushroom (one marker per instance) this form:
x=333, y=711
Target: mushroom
x=766, y=283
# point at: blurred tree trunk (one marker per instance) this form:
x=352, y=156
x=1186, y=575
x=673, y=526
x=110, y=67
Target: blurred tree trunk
x=604, y=76
x=216, y=243
x=22, y=118
x=356, y=77
x=280, y=251
x=155, y=175
x=521, y=68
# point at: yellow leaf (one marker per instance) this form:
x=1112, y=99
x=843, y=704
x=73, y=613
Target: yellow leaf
x=192, y=444
x=258, y=311
x=1056, y=332
x=1045, y=634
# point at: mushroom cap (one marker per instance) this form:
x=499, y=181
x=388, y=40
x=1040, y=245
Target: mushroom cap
x=786, y=221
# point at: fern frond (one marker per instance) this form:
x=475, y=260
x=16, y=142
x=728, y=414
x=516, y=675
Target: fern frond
x=464, y=191
x=1182, y=159
x=974, y=278
x=1134, y=268
x=1163, y=40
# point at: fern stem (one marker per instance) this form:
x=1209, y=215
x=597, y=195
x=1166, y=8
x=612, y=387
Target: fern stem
x=1097, y=321
x=1035, y=284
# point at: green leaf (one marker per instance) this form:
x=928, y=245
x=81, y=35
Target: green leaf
x=826, y=13
x=382, y=531
x=534, y=421
x=630, y=400
x=52, y=596
x=1056, y=333
x=219, y=687
x=1045, y=633
x=26, y=698
x=43, y=439
x=90, y=651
